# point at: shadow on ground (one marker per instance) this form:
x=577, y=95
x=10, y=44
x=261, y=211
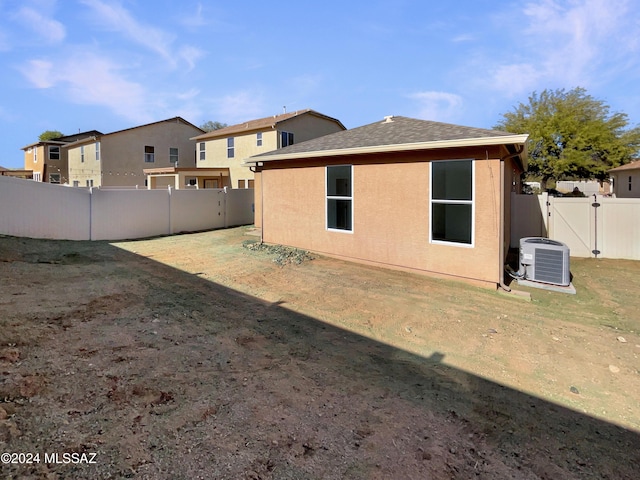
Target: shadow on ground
x=173, y=376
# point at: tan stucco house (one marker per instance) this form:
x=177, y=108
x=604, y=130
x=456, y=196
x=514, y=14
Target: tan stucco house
x=626, y=180
x=47, y=160
x=403, y=193
x=118, y=159
x=229, y=146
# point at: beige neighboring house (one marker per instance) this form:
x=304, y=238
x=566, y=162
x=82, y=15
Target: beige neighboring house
x=47, y=160
x=228, y=147
x=626, y=180
x=119, y=159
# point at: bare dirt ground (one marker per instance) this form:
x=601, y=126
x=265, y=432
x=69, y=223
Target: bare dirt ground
x=194, y=357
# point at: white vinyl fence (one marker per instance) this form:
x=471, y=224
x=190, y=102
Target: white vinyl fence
x=41, y=210
x=593, y=226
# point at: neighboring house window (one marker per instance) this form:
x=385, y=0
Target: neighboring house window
x=54, y=153
x=251, y=183
x=149, y=154
x=230, y=147
x=451, y=198
x=340, y=197
x=241, y=184
x=35, y=155
x=173, y=155
x=36, y=176
x=202, y=151
x=191, y=181
x=89, y=183
x=97, y=151
x=76, y=183
x=286, y=139
x=82, y=154
x=629, y=182
x=259, y=139
x=54, y=178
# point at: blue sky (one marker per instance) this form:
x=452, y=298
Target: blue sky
x=78, y=65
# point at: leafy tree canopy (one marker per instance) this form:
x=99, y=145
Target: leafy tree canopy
x=211, y=126
x=572, y=135
x=50, y=135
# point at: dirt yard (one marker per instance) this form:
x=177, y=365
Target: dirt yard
x=194, y=356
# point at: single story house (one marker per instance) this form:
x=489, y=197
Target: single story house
x=409, y=194
x=626, y=180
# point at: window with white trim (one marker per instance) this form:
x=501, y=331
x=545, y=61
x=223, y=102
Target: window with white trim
x=230, y=147
x=54, y=152
x=202, y=151
x=54, y=178
x=452, y=202
x=82, y=153
x=339, y=196
x=259, y=139
x=173, y=155
x=97, y=151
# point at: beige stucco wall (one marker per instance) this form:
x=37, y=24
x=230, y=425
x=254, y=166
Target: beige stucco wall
x=304, y=127
x=390, y=216
x=34, y=159
x=621, y=184
x=122, y=154
x=245, y=146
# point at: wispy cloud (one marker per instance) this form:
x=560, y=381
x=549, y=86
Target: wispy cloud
x=40, y=22
x=439, y=106
x=90, y=79
x=568, y=43
x=239, y=106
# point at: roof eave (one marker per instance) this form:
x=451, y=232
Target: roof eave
x=403, y=147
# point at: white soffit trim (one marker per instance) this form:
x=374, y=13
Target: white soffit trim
x=463, y=142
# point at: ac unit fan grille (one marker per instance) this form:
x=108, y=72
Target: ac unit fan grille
x=548, y=266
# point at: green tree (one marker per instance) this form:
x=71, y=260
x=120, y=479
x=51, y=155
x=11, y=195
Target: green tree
x=572, y=135
x=211, y=126
x=50, y=135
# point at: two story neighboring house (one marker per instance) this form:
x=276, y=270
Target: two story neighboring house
x=626, y=180
x=47, y=160
x=228, y=147
x=118, y=159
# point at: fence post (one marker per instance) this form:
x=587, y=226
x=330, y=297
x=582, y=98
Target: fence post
x=170, y=224
x=595, y=206
x=224, y=207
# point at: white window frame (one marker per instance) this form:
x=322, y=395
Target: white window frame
x=290, y=139
x=81, y=153
x=36, y=176
x=54, y=175
x=259, y=139
x=202, y=151
x=328, y=197
x=231, y=147
x=176, y=156
x=97, y=151
x=471, y=202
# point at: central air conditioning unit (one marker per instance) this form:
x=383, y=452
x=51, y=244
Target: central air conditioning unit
x=544, y=260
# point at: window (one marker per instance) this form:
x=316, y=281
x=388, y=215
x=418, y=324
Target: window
x=97, y=151
x=54, y=178
x=173, y=155
x=190, y=181
x=629, y=182
x=35, y=155
x=76, y=183
x=202, y=151
x=451, y=199
x=149, y=154
x=89, y=183
x=286, y=139
x=259, y=139
x=82, y=153
x=339, y=197
x=251, y=184
x=54, y=152
x=36, y=176
x=230, y=147
x=241, y=184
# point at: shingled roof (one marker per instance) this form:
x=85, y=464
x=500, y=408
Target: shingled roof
x=260, y=124
x=392, y=134
x=629, y=166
